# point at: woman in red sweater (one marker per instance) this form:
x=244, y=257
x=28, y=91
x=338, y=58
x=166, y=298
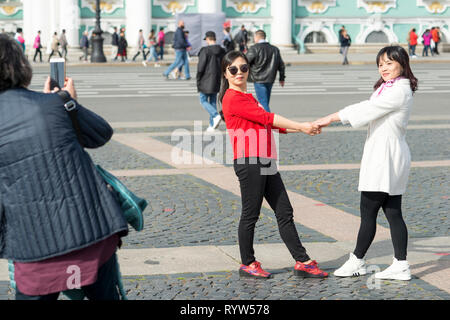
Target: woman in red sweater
x=250, y=129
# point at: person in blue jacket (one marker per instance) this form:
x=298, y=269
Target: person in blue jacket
x=56, y=211
x=180, y=44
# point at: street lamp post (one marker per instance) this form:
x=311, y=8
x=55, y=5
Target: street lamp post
x=97, y=39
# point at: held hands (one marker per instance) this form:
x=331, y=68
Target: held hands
x=326, y=121
x=69, y=86
x=323, y=122
x=310, y=128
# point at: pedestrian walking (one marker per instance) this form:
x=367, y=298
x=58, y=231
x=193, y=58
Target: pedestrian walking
x=54, y=46
x=161, y=43
x=412, y=42
x=62, y=215
x=141, y=46
x=180, y=45
x=84, y=44
x=227, y=42
x=63, y=43
x=123, y=45
x=37, y=45
x=152, y=54
x=435, y=35
x=385, y=162
x=20, y=39
x=208, y=78
x=114, y=44
x=177, y=73
x=250, y=129
x=265, y=61
x=242, y=39
x=426, y=40
x=345, y=41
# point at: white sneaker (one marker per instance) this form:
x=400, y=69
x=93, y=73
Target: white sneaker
x=210, y=130
x=352, y=268
x=144, y=63
x=216, y=121
x=398, y=270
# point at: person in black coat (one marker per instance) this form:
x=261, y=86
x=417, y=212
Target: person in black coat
x=123, y=45
x=209, y=74
x=265, y=61
x=54, y=204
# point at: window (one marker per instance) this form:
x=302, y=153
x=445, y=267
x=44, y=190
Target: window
x=316, y=37
x=377, y=37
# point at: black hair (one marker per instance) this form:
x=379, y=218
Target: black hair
x=397, y=53
x=260, y=33
x=15, y=69
x=227, y=60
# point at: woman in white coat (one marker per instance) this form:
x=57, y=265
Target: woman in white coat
x=386, y=160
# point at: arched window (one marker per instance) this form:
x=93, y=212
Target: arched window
x=377, y=37
x=316, y=37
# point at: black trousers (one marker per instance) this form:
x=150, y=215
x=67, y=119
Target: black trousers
x=371, y=202
x=258, y=180
x=38, y=51
x=105, y=288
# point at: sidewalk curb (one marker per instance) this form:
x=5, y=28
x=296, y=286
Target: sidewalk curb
x=287, y=63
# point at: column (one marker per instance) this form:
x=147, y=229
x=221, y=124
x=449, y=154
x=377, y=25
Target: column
x=209, y=6
x=29, y=31
x=281, y=28
x=35, y=18
x=69, y=19
x=138, y=16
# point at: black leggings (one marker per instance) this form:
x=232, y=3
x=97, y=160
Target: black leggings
x=255, y=185
x=371, y=202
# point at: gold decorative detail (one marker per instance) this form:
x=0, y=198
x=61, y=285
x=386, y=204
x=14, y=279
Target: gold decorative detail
x=175, y=6
x=245, y=6
x=248, y=6
x=9, y=10
x=436, y=7
x=317, y=7
x=374, y=5
x=107, y=6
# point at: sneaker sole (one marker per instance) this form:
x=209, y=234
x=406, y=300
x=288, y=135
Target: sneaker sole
x=358, y=273
x=394, y=277
x=245, y=274
x=304, y=274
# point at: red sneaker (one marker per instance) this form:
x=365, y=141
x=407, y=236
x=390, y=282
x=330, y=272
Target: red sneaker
x=254, y=270
x=310, y=270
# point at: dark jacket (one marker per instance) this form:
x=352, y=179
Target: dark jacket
x=265, y=60
x=179, y=40
x=209, y=71
x=84, y=43
x=115, y=39
x=52, y=199
x=344, y=41
x=123, y=44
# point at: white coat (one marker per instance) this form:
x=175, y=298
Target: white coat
x=386, y=158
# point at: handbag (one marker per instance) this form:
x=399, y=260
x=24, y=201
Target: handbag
x=131, y=205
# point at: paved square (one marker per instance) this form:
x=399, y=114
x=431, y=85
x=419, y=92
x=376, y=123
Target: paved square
x=188, y=248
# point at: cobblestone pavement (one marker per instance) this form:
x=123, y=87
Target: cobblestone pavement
x=329, y=147
x=424, y=205
x=283, y=286
x=186, y=211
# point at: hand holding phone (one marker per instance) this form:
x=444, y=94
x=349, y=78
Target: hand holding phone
x=69, y=86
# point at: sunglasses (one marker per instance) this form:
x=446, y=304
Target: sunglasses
x=234, y=70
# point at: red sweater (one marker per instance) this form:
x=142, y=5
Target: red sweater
x=249, y=126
